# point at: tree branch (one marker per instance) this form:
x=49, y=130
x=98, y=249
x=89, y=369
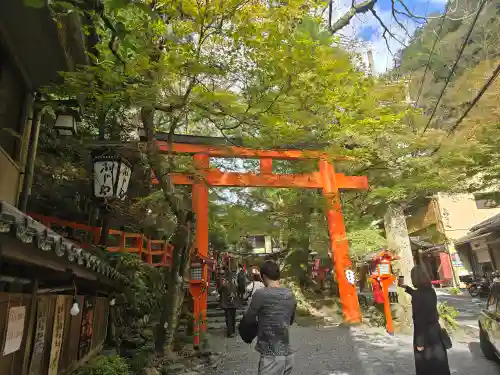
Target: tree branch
x=155, y=162
x=395, y=13
x=386, y=31
x=346, y=18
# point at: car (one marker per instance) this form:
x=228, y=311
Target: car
x=489, y=324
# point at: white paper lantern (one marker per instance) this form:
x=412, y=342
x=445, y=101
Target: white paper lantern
x=111, y=175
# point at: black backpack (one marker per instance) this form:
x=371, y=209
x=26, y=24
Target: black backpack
x=241, y=279
x=248, y=330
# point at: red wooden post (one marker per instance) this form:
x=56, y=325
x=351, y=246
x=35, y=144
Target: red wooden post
x=200, y=208
x=266, y=166
x=339, y=244
x=386, y=282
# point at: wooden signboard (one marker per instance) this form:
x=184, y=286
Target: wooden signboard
x=86, y=328
x=39, y=340
x=15, y=329
x=57, y=334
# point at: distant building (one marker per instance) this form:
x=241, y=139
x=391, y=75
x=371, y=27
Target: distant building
x=443, y=234
x=263, y=244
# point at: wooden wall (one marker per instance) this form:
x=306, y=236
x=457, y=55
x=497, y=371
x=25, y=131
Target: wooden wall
x=89, y=326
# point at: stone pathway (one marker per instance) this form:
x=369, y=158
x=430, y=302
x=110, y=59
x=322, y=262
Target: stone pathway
x=348, y=351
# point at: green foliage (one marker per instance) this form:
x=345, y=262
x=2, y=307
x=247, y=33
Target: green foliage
x=455, y=291
x=37, y=4
x=271, y=75
x=482, y=46
x=139, y=361
x=147, y=287
x=448, y=315
x=103, y=365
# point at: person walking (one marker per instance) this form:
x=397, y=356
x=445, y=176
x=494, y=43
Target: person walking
x=241, y=280
x=429, y=349
x=272, y=309
x=229, y=303
x=252, y=287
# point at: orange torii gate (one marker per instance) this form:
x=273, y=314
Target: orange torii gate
x=326, y=178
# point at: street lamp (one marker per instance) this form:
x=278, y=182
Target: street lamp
x=66, y=123
x=111, y=174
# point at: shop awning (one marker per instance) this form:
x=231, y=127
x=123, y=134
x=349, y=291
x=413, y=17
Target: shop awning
x=472, y=237
x=481, y=230
x=435, y=249
x=418, y=243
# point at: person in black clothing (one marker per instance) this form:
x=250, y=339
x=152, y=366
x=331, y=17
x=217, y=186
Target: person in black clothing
x=241, y=280
x=229, y=303
x=429, y=350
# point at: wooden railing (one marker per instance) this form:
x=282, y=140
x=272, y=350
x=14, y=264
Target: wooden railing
x=158, y=253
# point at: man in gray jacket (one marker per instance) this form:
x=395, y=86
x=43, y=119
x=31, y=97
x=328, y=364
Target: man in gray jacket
x=274, y=309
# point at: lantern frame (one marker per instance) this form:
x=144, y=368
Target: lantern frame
x=120, y=171
x=60, y=126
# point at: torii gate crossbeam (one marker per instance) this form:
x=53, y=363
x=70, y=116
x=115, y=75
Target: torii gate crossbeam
x=326, y=178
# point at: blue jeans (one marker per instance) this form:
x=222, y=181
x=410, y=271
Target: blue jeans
x=280, y=365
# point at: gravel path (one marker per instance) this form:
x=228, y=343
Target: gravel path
x=344, y=351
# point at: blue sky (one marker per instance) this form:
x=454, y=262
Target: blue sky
x=365, y=31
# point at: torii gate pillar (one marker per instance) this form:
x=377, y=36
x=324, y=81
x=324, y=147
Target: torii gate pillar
x=339, y=244
x=200, y=208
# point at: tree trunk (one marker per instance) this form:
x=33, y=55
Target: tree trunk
x=172, y=301
x=398, y=242
x=182, y=241
x=299, y=242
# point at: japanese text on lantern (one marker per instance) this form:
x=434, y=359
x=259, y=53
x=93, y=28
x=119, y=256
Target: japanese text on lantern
x=105, y=173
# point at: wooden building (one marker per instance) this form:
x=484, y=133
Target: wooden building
x=54, y=295
x=42, y=277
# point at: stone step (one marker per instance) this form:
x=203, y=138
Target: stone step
x=212, y=325
x=219, y=313
x=222, y=319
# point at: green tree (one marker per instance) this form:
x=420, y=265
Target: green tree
x=268, y=72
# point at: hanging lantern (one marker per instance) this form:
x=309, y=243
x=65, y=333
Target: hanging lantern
x=111, y=175
x=66, y=124
x=196, y=268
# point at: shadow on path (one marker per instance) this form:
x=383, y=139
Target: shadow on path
x=383, y=354
x=348, y=351
x=319, y=351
